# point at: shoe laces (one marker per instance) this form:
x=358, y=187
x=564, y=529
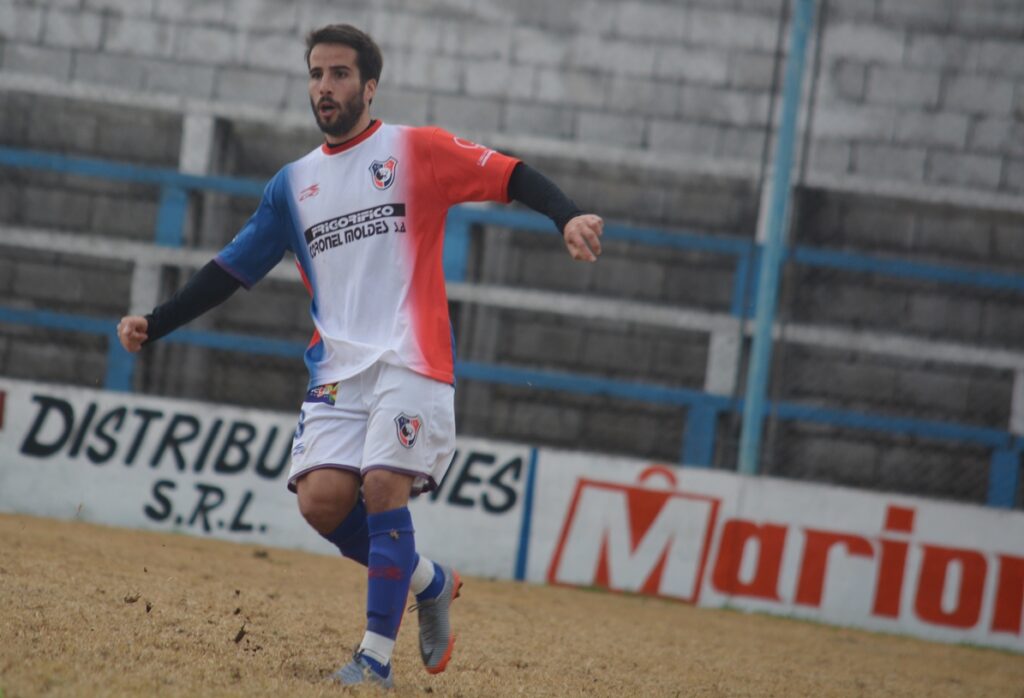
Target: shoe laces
x=421, y=604
x=430, y=632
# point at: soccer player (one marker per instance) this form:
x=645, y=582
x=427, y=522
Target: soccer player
x=364, y=216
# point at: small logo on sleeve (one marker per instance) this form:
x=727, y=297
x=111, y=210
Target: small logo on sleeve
x=309, y=192
x=408, y=429
x=327, y=394
x=383, y=173
x=485, y=154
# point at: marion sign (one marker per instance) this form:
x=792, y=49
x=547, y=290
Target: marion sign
x=937, y=570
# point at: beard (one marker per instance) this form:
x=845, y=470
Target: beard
x=346, y=115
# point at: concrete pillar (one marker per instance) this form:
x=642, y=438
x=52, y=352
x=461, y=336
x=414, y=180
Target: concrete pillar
x=1017, y=404
x=198, y=140
x=477, y=339
x=182, y=370
x=723, y=362
x=145, y=288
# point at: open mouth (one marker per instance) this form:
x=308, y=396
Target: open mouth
x=326, y=109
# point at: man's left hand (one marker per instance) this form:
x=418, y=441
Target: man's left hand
x=583, y=237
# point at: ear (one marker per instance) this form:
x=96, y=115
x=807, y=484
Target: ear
x=369, y=90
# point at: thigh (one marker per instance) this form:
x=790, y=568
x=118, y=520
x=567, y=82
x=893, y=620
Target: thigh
x=331, y=431
x=411, y=427
x=334, y=487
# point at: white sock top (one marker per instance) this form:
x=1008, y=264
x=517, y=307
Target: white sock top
x=422, y=576
x=377, y=647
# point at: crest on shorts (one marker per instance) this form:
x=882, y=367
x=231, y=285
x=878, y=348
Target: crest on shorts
x=383, y=173
x=408, y=429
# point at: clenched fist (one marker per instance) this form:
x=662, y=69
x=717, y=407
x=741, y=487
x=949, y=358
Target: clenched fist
x=583, y=237
x=132, y=332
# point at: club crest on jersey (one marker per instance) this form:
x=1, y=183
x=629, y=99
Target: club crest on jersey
x=383, y=173
x=408, y=429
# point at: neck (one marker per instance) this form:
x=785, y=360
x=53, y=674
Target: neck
x=361, y=125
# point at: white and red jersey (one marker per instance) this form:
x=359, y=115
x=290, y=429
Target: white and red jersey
x=366, y=223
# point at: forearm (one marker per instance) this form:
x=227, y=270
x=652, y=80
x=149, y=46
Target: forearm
x=530, y=187
x=208, y=288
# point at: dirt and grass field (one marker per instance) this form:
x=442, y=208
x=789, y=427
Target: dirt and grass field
x=92, y=611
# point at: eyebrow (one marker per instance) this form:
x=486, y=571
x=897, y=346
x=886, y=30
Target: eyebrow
x=331, y=67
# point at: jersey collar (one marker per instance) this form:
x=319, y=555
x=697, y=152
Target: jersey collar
x=352, y=142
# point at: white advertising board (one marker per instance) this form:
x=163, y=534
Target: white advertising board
x=212, y=470
x=898, y=564
x=883, y=562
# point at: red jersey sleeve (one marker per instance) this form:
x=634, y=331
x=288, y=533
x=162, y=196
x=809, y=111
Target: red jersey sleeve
x=465, y=171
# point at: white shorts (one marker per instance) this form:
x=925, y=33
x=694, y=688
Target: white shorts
x=386, y=417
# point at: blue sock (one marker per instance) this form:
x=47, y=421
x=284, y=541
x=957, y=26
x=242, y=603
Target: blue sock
x=352, y=535
x=433, y=590
x=392, y=552
x=381, y=670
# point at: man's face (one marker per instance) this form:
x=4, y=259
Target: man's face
x=336, y=94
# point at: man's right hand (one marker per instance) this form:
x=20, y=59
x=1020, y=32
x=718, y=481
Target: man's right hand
x=132, y=332
x=583, y=237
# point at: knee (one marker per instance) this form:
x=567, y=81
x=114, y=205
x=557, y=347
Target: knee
x=384, y=490
x=322, y=514
x=324, y=508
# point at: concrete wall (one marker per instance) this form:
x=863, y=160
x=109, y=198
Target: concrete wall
x=649, y=113
x=598, y=72
x=926, y=92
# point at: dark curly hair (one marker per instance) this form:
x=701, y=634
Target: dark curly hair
x=367, y=51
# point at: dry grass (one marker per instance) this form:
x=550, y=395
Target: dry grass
x=87, y=610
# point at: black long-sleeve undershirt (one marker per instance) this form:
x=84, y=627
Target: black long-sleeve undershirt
x=212, y=285
x=530, y=187
x=208, y=288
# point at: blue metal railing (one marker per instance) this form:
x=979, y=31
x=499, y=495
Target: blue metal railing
x=174, y=185
x=703, y=409
x=759, y=366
